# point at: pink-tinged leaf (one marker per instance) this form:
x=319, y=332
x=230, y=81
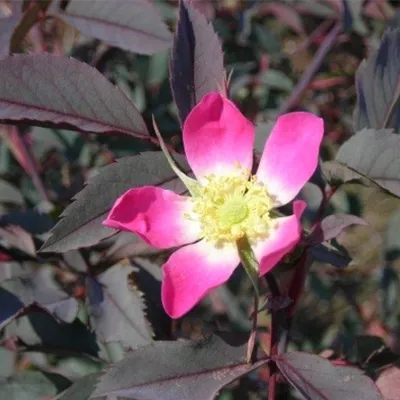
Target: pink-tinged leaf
x=381, y=10
x=15, y=143
x=133, y=25
x=388, y=383
x=21, y=151
x=81, y=223
x=61, y=91
x=197, y=60
x=206, y=7
x=16, y=237
x=9, y=19
x=184, y=370
x=317, y=379
x=332, y=226
x=286, y=14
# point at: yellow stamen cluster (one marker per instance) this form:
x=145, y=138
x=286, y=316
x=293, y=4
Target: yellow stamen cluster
x=229, y=207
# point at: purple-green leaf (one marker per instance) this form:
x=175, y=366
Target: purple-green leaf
x=116, y=308
x=372, y=155
x=81, y=223
x=81, y=389
x=197, y=60
x=39, y=331
x=32, y=385
x=317, y=379
x=185, y=370
x=351, y=15
x=378, y=86
x=16, y=241
x=10, y=194
x=40, y=289
x=61, y=91
x=31, y=221
x=148, y=278
x=331, y=227
x=11, y=306
x=133, y=25
x=127, y=245
x=327, y=253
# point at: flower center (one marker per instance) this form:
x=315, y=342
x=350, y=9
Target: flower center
x=233, y=211
x=229, y=207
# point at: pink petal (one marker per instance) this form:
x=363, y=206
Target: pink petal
x=282, y=240
x=290, y=154
x=156, y=215
x=193, y=271
x=216, y=136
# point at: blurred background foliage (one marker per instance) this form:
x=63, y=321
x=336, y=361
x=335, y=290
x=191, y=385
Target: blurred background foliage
x=280, y=56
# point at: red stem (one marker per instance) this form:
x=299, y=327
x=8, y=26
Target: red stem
x=273, y=370
x=297, y=284
x=311, y=37
x=252, y=338
x=23, y=154
x=274, y=338
x=312, y=69
x=299, y=277
x=326, y=196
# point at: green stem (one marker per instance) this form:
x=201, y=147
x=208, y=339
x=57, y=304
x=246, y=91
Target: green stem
x=252, y=338
x=249, y=262
x=252, y=268
x=114, y=351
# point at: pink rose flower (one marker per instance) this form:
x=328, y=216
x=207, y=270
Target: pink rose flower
x=227, y=202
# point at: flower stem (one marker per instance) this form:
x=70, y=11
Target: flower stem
x=251, y=266
x=274, y=337
x=249, y=262
x=114, y=351
x=297, y=285
x=252, y=338
x=273, y=372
